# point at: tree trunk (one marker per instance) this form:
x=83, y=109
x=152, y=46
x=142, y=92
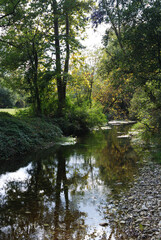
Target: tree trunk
x=60, y=89
x=66, y=65
x=35, y=79
x=61, y=80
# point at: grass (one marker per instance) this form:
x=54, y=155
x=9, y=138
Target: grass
x=11, y=111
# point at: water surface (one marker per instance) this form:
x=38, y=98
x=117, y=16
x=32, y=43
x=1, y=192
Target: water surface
x=65, y=192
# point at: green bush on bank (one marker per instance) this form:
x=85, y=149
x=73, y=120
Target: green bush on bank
x=23, y=133
x=19, y=136
x=78, y=120
x=150, y=139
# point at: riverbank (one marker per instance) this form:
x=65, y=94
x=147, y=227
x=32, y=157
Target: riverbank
x=23, y=133
x=137, y=214
x=19, y=136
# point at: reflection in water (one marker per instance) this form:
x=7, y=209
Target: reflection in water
x=117, y=162
x=64, y=191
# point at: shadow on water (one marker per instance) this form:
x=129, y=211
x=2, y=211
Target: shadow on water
x=62, y=192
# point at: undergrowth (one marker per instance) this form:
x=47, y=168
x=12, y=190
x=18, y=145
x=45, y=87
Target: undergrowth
x=23, y=133
x=19, y=136
x=78, y=120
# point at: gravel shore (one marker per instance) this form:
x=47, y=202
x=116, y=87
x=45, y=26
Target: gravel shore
x=137, y=215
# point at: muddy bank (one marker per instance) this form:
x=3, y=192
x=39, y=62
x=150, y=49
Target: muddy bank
x=137, y=215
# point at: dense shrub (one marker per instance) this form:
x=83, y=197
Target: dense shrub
x=6, y=100
x=22, y=133
x=78, y=120
x=146, y=111
x=18, y=136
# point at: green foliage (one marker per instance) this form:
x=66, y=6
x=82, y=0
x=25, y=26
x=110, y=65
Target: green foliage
x=24, y=57
x=78, y=120
x=144, y=109
x=10, y=98
x=37, y=42
x=18, y=136
x=6, y=98
x=129, y=74
x=157, y=155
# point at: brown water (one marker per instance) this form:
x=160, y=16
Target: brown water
x=64, y=192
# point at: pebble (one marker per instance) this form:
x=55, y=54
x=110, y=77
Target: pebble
x=138, y=213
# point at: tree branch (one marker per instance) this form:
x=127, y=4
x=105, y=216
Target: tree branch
x=10, y=43
x=12, y=12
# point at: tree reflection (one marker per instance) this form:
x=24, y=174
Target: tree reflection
x=117, y=161
x=46, y=204
x=36, y=208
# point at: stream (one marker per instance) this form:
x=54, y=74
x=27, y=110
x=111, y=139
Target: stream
x=65, y=192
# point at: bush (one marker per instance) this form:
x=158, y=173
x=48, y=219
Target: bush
x=22, y=133
x=78, y=120
x=146, y=111
x=18, y=136
x=6, y=99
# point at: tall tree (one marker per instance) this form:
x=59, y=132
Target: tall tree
x=69, y=20
x=111, y=12
x=138, y=63
x=43, y=30
x=24, y=50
